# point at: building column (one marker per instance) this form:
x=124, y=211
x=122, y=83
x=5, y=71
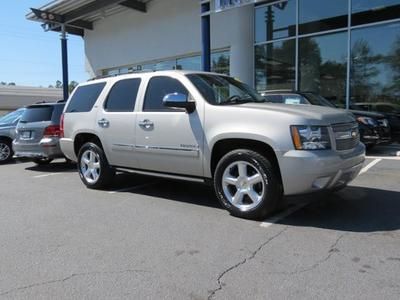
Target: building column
x=242, y=44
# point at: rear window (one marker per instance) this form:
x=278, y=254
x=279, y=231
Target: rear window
x=85, y=97
x=37, y=114
x=122, y=97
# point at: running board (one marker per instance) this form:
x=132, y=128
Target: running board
x=170, y=176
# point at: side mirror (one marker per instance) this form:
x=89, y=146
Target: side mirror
x=177, y=100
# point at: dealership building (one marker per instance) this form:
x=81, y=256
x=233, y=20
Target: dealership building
x=346, y=50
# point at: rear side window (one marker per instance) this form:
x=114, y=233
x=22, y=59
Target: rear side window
x=122, y=97
x=157, y=89
x=57, y=112
x=85, y=97
x=37, y=114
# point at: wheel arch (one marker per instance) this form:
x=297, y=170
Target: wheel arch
x=85, y=137
x=223, y=146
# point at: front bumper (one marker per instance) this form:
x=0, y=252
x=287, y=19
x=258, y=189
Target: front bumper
x=46, y=148
x=310, y=171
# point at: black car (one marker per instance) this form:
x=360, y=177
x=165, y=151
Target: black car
x=390, y=110
x=374, y=127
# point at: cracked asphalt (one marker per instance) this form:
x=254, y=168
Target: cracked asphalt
x=158, y=239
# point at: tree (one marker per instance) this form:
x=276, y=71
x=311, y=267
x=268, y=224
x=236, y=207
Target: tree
x=59, y=84
x=72, y=85
x=11, y=83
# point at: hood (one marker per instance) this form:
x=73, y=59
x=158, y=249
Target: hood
x=318, y=114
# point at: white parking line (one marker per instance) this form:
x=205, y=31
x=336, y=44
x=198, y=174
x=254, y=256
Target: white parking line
x=47, y=175
x=384, y=157
x=132, y=188
x=370, y=165
x=274, y=219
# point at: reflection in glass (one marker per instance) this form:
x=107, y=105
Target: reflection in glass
x=189, y=63
x=375, y=64
x=275, y=65
x=323, y=66
x=220, y=62
x=318, y=15
x=165, y=65
x=368, y=11
x=275, y=21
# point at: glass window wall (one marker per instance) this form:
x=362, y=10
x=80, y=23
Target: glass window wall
x=275, y=65
x=275, y=21
x=323, y=66
x=317, y=15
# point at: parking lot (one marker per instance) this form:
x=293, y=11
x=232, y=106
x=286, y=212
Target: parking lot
x=149, y=238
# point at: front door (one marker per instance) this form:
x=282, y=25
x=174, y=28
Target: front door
x=168, y=140
x=116, y=123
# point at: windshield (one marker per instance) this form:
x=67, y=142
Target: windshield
x=318, y=100
x=12, y=117
x=220, y=90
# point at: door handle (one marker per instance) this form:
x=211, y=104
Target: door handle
x=147, y=124
x=103, y=123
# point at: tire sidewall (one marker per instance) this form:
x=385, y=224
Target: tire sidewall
x=105, y=172
x=8, y=144
x=271, y=193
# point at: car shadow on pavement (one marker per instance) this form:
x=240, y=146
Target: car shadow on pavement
x=391, y=150
x=181, y=191
x=53, y=167
x=354, y=209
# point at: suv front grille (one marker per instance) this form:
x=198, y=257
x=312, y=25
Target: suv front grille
x=346, y=135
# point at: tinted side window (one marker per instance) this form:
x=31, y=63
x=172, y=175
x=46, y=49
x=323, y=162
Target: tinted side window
x=37, y=113
x=157, y=89
x=58, y=109
x=85, y=97
x=122, y=97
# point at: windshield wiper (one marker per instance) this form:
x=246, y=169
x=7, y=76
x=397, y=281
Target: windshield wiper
x=236, y=99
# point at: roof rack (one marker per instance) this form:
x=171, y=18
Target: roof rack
x=115, y=75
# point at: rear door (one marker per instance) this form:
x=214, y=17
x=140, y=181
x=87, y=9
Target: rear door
x=116, y=120
x=33, y=123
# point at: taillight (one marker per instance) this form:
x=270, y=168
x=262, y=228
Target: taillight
x=52, y=131
x=62, y=126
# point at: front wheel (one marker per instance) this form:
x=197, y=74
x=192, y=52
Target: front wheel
x=247, y=184
x=93, y=167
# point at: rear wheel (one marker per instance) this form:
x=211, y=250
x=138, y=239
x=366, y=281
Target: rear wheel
x=93, y=167
x=6, y=152
x=247, y=185
x=42, y=161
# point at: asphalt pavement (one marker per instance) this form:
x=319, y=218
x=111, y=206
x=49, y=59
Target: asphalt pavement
x=149, y=238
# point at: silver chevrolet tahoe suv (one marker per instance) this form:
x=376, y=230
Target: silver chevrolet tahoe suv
x=207, y=127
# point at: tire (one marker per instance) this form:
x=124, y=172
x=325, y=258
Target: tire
x=6, y=151
x=93, y=167
x=248, y=173
x=42, y=161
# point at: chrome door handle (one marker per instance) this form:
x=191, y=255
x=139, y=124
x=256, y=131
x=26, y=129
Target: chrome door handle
x=147, y=124
x=103, y=123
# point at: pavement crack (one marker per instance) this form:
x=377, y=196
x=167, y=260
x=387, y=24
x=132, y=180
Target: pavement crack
x=242, y=262
x=62, y=280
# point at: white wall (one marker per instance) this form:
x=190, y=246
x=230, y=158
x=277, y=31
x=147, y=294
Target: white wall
x=170, y=28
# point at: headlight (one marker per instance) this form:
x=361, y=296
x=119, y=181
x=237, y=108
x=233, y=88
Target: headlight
x=367, y=121
x=310, y=137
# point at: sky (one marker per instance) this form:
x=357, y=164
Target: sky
x=28, y=55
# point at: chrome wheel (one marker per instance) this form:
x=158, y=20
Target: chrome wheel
x=90, y=166
x=5, y=151
x=243, y=185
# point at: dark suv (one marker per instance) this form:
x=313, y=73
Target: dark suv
x=374, y=127
x=38, y=133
